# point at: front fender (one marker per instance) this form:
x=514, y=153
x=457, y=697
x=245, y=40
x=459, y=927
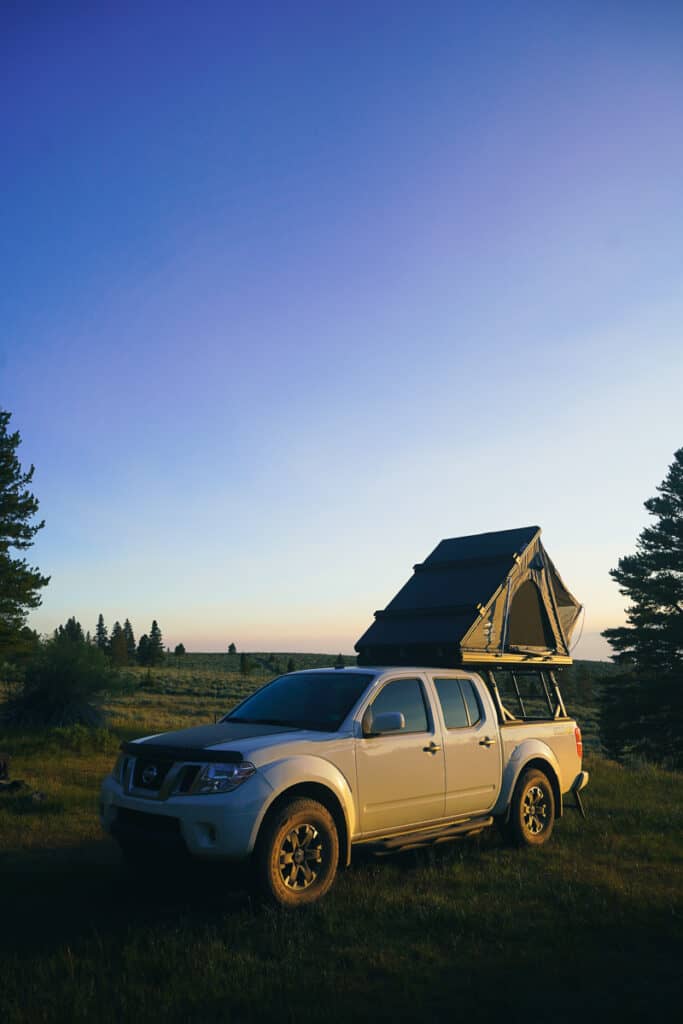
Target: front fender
x=521, y=756
x=290, y=772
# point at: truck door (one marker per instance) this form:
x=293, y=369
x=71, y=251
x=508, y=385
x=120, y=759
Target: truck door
x=401, y=775
x=471, y=747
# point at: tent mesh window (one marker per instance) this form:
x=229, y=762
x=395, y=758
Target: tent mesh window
x=527, y=695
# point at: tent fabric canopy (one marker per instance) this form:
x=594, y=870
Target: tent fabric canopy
x=490, y=597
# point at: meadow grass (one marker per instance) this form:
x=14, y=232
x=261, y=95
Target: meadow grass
x=587, y=927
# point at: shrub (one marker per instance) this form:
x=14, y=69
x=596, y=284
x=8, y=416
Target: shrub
x=62, y=686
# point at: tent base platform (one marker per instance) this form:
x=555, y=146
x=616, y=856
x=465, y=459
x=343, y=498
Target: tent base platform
x=429, y=657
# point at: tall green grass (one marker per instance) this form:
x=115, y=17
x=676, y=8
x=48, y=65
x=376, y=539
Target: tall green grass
x=585, y=928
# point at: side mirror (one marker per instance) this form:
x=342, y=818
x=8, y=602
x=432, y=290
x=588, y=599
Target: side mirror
x=385, y=721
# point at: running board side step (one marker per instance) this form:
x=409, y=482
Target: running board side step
x=427, y=837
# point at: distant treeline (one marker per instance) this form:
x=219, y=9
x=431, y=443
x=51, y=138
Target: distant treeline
x=121, y=649
x=120, y=646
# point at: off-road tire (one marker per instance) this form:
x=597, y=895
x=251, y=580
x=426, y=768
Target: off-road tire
x=532, y=811
x=296, y=856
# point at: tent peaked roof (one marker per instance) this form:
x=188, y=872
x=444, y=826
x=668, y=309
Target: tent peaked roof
x=489, y=597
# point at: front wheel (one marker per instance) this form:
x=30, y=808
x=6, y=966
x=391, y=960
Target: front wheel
x=297, y=854
x=532, y=812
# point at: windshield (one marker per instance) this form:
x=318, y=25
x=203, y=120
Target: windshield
x=304, y=700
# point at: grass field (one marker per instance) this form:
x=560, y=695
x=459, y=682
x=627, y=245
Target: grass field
x=586, y=928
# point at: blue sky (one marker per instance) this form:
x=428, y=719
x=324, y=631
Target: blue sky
x=292, y=292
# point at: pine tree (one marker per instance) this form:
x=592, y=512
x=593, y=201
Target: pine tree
x=179, y=650
x=643, y=707
x=101, y=635
x=232, y=649
x=130, y=641
x=156, y=645
x=143, y=650
x=118, y=645
x=71, y=631
x=20, y=585
x=653, y=580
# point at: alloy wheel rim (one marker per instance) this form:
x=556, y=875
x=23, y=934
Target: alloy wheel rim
x=535, y=810
x=300, y=857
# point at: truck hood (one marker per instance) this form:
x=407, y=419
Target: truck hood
x=220, y=742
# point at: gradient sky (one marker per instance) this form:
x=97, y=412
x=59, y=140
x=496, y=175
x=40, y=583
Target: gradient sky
x=290, y=292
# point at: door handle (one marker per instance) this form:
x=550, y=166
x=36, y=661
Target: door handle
x=432, y=748
x=487, y=742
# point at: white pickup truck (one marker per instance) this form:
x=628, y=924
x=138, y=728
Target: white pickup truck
x=317, y=762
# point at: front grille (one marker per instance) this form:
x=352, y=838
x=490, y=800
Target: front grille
x=150, y=773
x=161, y=824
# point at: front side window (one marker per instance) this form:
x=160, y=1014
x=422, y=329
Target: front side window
x=404, y=695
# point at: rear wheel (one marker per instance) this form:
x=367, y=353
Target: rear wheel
x=532, y=812
x=297, y=854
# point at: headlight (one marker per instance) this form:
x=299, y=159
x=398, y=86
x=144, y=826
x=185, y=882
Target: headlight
x=221, y=778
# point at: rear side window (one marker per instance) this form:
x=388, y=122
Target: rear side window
x=471, y=701
x=459, y=702
x=452, y=703
x=404, y=695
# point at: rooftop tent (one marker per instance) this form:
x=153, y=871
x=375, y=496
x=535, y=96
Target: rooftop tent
x=487, y=598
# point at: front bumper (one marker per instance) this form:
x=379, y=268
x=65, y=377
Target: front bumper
x=220, y=826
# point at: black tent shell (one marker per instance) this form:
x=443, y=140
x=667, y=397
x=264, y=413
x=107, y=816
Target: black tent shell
x=484, y=599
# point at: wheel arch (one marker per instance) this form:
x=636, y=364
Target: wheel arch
x=520, y=762
x=323, y=795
